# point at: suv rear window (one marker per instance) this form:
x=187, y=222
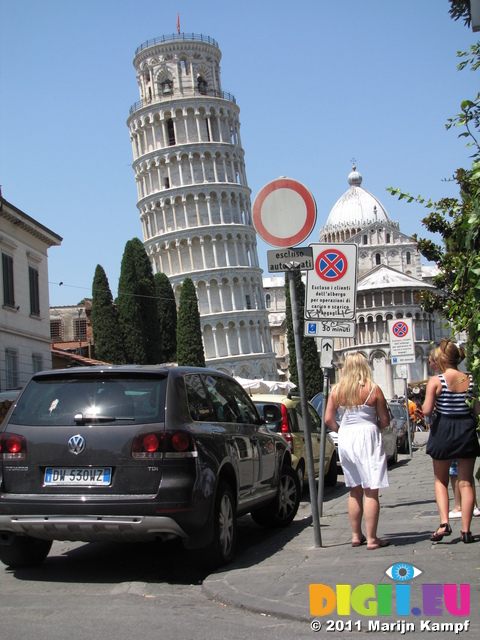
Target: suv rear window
x=51, y=400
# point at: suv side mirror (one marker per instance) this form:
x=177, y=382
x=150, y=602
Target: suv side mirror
x=271, y=413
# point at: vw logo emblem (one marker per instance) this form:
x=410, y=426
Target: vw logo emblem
x=76, y=444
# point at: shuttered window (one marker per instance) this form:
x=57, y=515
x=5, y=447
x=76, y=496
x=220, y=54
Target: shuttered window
x=8, y=291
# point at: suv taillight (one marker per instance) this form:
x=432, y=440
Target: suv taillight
x=286, y=433
x=157, y=444
x=12, y=447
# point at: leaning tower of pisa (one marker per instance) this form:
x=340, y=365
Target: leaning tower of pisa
x=194, y=200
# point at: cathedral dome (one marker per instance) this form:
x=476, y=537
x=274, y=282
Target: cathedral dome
x=353, y=211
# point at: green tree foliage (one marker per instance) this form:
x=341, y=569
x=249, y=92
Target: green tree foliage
x=148, y=303
x=311, y=363
x=107, y=334
x=457, y=221
x=137, y=307
x=167, y=316
x=460, y=9
x=189, y=331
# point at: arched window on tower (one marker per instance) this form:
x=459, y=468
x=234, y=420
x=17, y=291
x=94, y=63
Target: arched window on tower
x=388, y=238
x=409, y=257
x=268, y=301
x=365, y=239
x=167, y=87
x=202, y=85
x=171, y=132
x=378, y=258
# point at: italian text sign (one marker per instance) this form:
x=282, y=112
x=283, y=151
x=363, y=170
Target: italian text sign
x=332, y=283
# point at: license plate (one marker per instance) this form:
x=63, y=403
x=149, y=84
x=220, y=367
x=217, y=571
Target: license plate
x=78, y=477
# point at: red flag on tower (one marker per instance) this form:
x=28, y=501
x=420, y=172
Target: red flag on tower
x=178, y=23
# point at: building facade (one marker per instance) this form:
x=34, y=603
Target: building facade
x=194, y=200
x=24, y=314
x=389, y=277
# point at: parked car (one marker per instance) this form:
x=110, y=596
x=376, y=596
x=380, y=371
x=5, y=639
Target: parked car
x=389, y=434
x=283, y=414
x=401, y=420
x=138, y=453
x=317, y=404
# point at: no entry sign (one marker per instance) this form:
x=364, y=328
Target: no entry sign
x=332, y=285
x=284, y=213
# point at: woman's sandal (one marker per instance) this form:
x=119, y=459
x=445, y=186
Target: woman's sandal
x=466, y=536
x=436, y=537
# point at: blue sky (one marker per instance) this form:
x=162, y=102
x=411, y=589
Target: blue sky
x=318, y=83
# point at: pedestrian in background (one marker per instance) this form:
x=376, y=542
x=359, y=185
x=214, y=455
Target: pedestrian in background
x=360, y=445
x=452, y=435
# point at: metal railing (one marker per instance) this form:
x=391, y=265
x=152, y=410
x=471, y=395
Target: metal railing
x=196, y=37
x=225, y=95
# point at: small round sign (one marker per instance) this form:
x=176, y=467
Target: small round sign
x=400, y=329
x=284, y=213
x=331, y=265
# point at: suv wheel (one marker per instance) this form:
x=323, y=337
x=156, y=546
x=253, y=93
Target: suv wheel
x=222, y=548
x=332, y=473
x=25, y=551
x=284, y=507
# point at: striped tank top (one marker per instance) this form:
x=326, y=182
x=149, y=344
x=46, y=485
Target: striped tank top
x=449, y=402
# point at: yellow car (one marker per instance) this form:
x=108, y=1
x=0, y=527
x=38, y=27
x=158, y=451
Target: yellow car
x=283, y=414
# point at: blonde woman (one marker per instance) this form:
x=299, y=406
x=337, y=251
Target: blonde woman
x=360, y=445
x=452, y=435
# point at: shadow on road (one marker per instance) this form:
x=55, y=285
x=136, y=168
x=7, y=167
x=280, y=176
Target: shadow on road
x=153, y=562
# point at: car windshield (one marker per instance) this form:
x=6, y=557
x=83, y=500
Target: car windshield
x=69, y=400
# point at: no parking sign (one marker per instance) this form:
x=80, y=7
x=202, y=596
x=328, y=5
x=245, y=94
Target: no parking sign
x=331, y=288
x=402, y=344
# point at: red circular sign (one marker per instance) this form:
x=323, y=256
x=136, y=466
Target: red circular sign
x=331, y=265
x=284, y=213
x=400, y=329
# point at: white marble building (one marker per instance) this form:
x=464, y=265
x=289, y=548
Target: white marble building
x=194, y=200
x=389, y=276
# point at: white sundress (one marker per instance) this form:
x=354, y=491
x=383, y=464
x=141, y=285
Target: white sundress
x=360, y=448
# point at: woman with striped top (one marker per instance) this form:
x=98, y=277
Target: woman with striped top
x=452, y=435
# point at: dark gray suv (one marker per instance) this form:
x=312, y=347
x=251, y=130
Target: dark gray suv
x=138, y=453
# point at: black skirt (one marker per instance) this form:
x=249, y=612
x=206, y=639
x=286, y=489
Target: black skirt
x=453, y=437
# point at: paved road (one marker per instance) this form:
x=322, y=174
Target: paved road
x=115, y=592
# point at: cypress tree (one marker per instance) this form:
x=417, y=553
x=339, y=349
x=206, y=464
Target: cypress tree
x=107, y=334
x=189, y=332
x=167, y=316
x=129, y=310
x=311, y=362
x=145, y=290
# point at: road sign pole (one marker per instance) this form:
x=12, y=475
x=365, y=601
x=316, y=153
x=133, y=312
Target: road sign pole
x=408, y=420
x=305, y=413
x=321, y=477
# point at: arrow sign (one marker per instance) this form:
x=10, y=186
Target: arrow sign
x=326, y=353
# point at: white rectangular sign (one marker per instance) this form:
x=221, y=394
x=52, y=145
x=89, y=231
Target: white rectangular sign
x=334, y=329
x=402, y=343
x=326, y=353
x=331, y=289
x=403, y=360
x=299, y=258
